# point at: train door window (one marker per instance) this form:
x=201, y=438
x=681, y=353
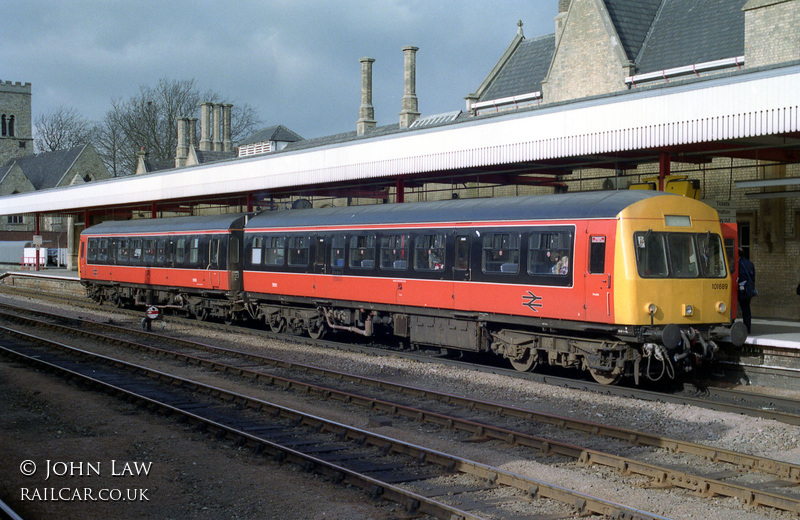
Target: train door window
x=462, y=253
x=597, y=255
x=256, y=252
x=234, y=243
x=362, y=251
x=501, y=253
x=337, y=251
x=194, y=250
x=429, y=252
x=170, y=252
x=549, y=252
x=92, y=249
x=298, y=251
x=682, y=255
x=651, y=254
x=394, y=252
x=213, y=253
x=319, y=252
x=180, y=251
x=136, y=250
x=82, y=251
x=274, y=250
x=161, y=251
x=149, y=251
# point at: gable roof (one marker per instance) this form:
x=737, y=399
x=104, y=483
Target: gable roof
x=525, y=69
x=47, y=169
x=632, y=19
x=272, y=133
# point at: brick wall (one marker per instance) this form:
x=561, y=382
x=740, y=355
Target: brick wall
x=15, y=99
x=772, y=32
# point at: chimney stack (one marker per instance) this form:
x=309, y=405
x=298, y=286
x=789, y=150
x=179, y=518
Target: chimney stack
x=192, y=138
x=226, y=127
x=409, y=112
x=561, y=18
x=182, y=151
x=205, y=126
x=216, y=123
x=366, y=112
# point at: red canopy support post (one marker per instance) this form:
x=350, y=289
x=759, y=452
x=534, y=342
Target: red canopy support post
x=153, y=210
x=400, y=190
x=249, y=202
x=663, y=169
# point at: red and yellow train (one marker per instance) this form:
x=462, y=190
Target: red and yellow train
x=623, y=283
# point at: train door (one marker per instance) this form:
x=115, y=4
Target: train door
x=462, y=271
x=599, y=306
x=213, y=262
x=730, y=236
x=322, y=247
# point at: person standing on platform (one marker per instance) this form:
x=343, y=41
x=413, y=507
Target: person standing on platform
x=747, y=287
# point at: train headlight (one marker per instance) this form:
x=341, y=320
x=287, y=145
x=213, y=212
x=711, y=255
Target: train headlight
x=721, y=307
x=651, y=309
x=687, y=309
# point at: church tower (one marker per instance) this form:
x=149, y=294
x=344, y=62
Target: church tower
x=16, y=128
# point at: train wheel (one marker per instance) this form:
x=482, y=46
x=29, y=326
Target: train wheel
x=276, y=323
x=201, y=315
x=525, y=364
x=605, y=378
x=316, y=329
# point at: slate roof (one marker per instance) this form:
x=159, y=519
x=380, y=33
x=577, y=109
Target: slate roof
x=655, y=35
x=45, y=170
x=525, y=69
x=686, y=32
x=272, y=133
x=209, y=156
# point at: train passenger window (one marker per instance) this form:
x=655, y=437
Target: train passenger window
x=298, y=251
x=161, y=253
x=337, y=251
x=597, y=255
x=501, y=253
x=255, y=254
x=394, y=252
x=362, y=251
x=102, y=250
x=274, y=250
x=136, y=250
x=123, y=245
x=180, y=250
x=712, y=255
x=194, y=251
x=213, y=253
x=549, y=252
x=149, y=251
x=92, y=249
x=429, y=252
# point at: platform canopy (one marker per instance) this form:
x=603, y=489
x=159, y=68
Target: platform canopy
x=750, y=114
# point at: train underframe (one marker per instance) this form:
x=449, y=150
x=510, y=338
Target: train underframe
x=608, y=353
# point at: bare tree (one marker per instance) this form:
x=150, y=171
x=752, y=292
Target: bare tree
x=149, y=118
x=61, y=129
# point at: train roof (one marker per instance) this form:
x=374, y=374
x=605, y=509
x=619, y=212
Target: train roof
x=171, y=224
x=568, y=206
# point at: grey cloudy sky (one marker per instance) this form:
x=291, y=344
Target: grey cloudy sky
x=296, y=62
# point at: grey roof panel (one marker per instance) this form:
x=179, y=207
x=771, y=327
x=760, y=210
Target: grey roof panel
x=686, y=32
x=525, y=69
x=46, y=169
x=594, y=204
x=272, y=133
x=171, y=224
x=633, y=19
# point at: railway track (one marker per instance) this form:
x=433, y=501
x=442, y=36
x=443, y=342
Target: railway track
x=702, y=469
x=424, y=481
x=717, y=398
